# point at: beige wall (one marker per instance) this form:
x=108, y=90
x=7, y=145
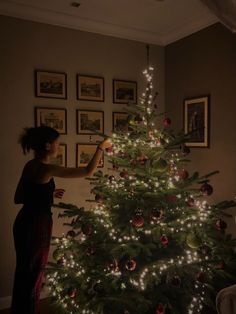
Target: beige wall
x=205, y=63
x=26, y=46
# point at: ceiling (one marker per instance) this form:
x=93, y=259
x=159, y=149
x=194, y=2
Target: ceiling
x=157, y=22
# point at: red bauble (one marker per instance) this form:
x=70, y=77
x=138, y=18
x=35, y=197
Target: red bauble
x=115, y=167
x=167, y=122
x=201, y=277
x=142, y=159
x=124, y=174
x=138, y=221
x=164, y=240
x=190, y=202
x=183, y=174
x=99, y=198
x=221, y=224
x=87, y=230
x=138, y=119
x=206, y=189
x=160, y=309
x=71, y=234
x=131, y=265
x=72, y=292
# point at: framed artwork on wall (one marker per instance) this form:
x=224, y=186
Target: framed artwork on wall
x=61, y=158
x=84, y=153
x=50, y=84
x=124, y=92
x=53, y=117
x=196, y=121
x=90, y=88
x=89, y=122
x=119, y=121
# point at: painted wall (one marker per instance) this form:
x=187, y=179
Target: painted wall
x=201, y=64
x=26, y=46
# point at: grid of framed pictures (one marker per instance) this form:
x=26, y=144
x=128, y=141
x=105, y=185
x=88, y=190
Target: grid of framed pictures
x=53, y=84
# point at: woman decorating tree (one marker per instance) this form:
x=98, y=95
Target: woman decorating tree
x=33, y=225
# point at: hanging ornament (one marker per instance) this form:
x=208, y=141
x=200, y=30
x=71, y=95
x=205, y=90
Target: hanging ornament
x=166, y=122
x=190, y=202
x=71, y=234
x=131, y=265
x=142, y=159
x=201, y=277
x=176, y=281
x=111, y=178
x=115, y=167
x=71, y=292
x=160, y=309
x=87, y=229
x=124, y=174
x=157, y=214
x=99, y=198
x=193, y=241
x=164, y=240
x=183, y=174
x=221, y=224
x=138, y=221
x=206, y=189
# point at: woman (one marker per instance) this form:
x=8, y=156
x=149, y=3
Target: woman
x=33, y=224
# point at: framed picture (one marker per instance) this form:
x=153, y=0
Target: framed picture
x=120, y=121
x=61, y=158
x=89, y=122
x=84, y=153
x=50, y=84
x=53, y=117
x=196, y=121
x=124, y=92
x=90, y=88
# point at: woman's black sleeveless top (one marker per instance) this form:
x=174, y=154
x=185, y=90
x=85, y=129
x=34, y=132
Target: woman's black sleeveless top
x=38, y=197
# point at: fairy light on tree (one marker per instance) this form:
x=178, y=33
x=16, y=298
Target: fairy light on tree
x=151, y=242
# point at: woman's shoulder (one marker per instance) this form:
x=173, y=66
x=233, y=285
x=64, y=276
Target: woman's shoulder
x=35, y=170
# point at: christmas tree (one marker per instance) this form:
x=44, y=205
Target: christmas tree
x=152, y=243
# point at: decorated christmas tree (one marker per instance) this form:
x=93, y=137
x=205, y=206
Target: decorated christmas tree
x=152, y=243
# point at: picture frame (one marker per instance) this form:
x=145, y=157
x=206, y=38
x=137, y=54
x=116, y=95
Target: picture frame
x=89, y=122
x=90, y=88
x=84, y=153
x=61, y=158
x=120, y=121
x=196, y=121
x=53, y=117
x=124, y=92
x=50, y=84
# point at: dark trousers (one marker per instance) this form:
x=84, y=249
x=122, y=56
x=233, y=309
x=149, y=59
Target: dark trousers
x=32, y=234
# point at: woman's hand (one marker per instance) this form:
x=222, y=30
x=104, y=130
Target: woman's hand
x=105, y=144
x=58, y=193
